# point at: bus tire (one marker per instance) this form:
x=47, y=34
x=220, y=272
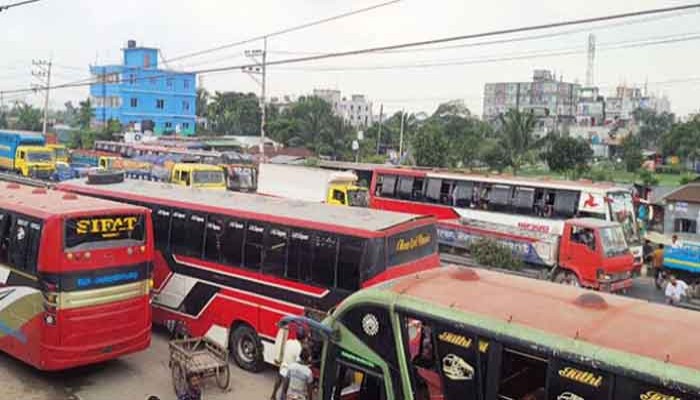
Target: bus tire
x=105, y=177
x=246, y=348
x=567, y=278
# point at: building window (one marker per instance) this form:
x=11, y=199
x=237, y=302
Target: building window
x=186, y=105
x=168, y=125
x=132, y=79
x=134, y=102
x=153, y=81
x=160, y=104
x=185, y=125
x=169, y=82
x=186, y=84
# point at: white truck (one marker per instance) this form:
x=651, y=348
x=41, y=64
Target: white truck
x=311, y=184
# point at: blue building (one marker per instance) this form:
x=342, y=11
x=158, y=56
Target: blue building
x=139, y=94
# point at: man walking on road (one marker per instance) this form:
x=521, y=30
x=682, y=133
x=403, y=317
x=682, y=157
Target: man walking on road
x=299, y=379
x=292, y=352
x=676, y=290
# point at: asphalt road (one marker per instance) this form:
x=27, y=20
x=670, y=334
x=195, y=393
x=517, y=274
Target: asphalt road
x=137, y=376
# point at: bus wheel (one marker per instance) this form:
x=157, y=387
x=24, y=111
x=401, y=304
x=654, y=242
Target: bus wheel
x=567, y=278
x=246, y=348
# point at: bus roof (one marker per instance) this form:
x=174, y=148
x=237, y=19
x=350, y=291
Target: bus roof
x=251, y=205
x=507, y=179
x=45, y=203
x=555, y=314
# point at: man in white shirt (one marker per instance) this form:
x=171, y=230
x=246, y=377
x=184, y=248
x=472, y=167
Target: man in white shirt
x=299, y=379
x=292, y=350
x=675, y=242
x=675, y=290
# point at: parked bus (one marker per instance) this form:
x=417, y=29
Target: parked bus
x=230, y=265
x=74, y=277
x=454, y=333
x=531, y=204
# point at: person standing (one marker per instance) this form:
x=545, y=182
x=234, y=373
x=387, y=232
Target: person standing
x=299, y=379
x=675, y=242
x=193, y=390
x=292, y=351
x=676, y=290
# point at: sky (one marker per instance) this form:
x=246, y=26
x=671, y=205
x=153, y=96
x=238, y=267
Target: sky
x=78, y=33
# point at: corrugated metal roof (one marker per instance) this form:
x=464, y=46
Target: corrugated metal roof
x=689, y=193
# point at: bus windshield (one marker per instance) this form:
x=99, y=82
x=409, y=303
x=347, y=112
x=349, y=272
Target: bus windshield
x=39, y=156
x=622, y=211
x=613, y=241
x=207, y=177
x=411, y=245
x=104, y=231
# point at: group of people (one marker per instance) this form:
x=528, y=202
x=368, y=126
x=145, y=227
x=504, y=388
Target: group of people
x=295, y=378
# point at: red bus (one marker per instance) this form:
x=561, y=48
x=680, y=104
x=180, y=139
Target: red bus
x=230, y=265
x=74, y=277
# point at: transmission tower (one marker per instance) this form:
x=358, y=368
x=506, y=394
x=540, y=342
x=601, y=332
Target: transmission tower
x=591, y=61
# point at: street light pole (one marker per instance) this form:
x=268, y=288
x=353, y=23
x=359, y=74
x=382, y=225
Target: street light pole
x=403, y=114
x=263, y=116
x=44, y=76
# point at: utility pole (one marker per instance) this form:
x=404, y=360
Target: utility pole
x=43, y=74
x=379, y=133
x=403, y=114
x=260, y=69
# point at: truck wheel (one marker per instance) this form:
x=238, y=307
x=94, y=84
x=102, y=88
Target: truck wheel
x=104, y=177
x=246, y=348
x=567, y=278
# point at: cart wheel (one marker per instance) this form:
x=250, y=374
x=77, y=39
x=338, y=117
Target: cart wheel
x=223, y=376
x=179, y=379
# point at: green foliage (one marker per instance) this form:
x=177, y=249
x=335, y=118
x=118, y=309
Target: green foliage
x=312, y=162
x=687, y=179
x=652, y=126
x=3, y=120
x=683, y=140
x=647, y=178
x=516, y=137
x=430, y=146
x=569, y=155
x=85, y=114
x=492, y=153
x=83, y=139
x=374, y=159
x=233, y=113
x=493, y=254
x=28, y=118
x=202, y=102
x=632, y=153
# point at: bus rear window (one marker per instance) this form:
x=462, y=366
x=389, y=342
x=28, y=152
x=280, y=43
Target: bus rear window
x=104, y=231
x=411, y=245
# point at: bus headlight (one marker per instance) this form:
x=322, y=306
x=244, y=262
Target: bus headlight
x=50, y=319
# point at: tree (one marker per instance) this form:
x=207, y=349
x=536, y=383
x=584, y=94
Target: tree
x=28, y=118
x=492, y=153
x=234, y=113
x=683, y=140
x=632, y=153
x=652, y=126
x=430, y=147
x=464, y=132
x=569, y=155
x=85, y=114
x=202, y=102
x=516, y=137
x=3, y=120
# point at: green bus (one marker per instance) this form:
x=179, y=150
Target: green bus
x=454, y=334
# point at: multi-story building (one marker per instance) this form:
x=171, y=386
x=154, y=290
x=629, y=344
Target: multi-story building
x=552, y=100
x=356, y=111
x=590, y=110
x=142, y=96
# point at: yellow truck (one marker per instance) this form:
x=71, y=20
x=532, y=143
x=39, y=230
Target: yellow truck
x=203, y=176
x=311, y=184
x=59, y=151
x=26, y=153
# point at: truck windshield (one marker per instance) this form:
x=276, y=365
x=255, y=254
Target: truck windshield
x=358, y=198
x=207, y=177
x=622, y=211
x=39, y=157
x=613, y=241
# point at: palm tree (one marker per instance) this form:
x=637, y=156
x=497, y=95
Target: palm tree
x=516, y=137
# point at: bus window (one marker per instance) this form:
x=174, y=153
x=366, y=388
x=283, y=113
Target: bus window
x=325, y=250
x=299, y=255
x=349, y=260
x=24, y=245
x=213, y=237
x=565, y=203
x=388, y=186
x=500, y=197
x=423, y=359
x=565, y=377
x=232, y=243
x=432, y=191
x=523, y=376
x=524, y=200
x=195, y=232
x=276, y=247
x=254, y=242
x=352, y=383
x=463, y=193
x=179, y=236
x=4, y=237
x=405, y=187
x=161, y=227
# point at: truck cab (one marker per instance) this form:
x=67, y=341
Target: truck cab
x=106, y=162
x=594, y=253
x=35, y=161
x=204, y=176
x=59, y=151
x=347, y=194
